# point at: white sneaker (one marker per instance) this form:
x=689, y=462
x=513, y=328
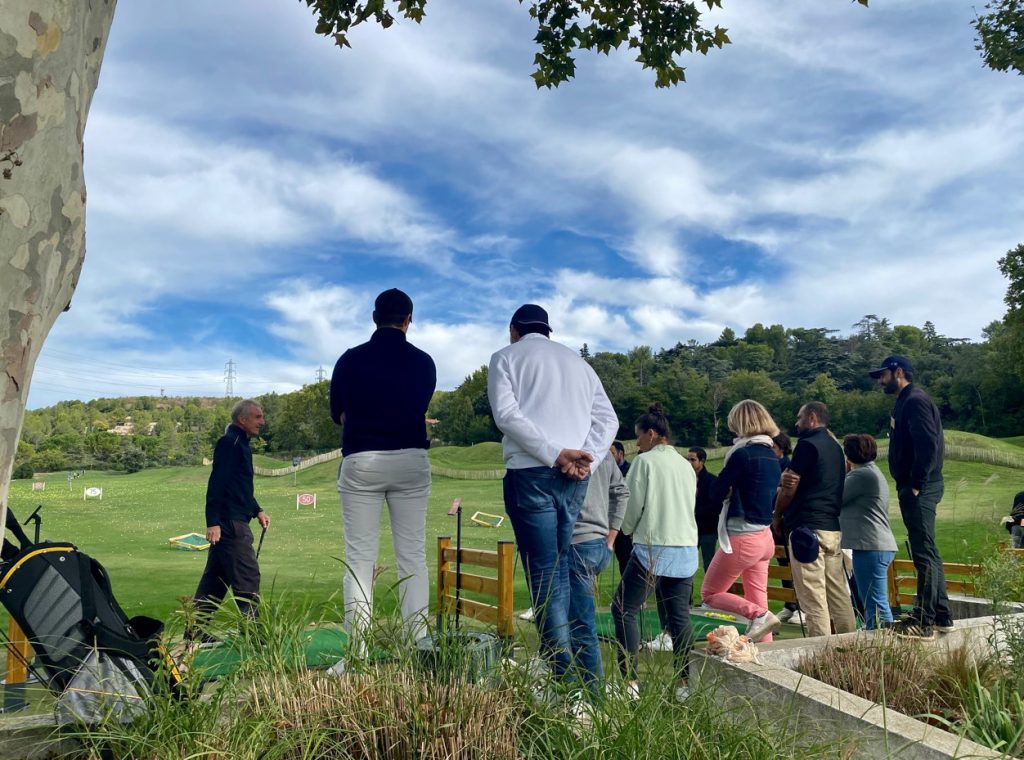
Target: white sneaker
x=660, y=643
x=528, y=616
x=682, y=693
x=762, y=625
x=632, y=690
x=797, y=618
x=786, y=615
x=581, y=711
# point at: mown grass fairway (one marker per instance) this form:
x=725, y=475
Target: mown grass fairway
x=128, y=530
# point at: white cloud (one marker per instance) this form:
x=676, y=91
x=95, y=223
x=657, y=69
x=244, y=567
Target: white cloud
x=833, y=161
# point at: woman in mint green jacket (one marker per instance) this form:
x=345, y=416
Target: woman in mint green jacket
x=659, y=515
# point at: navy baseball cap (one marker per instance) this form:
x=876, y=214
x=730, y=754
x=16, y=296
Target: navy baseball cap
x=531, y=314
x=893, y=363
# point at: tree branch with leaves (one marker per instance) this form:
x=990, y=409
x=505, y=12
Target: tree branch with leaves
x=1001, y=35
x=659, y=30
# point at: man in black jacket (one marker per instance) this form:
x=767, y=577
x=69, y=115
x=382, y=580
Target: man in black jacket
x=915, y=463
x=706, y=511
x=230, y=505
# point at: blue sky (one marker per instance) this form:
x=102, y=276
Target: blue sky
x=252, y=188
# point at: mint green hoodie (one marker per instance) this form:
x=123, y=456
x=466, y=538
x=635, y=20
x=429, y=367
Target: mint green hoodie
x=662, y=496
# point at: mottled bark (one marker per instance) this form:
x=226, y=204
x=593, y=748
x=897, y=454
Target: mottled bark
x=50, y=56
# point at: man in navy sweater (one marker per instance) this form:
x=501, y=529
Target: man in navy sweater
x=915, y=463
x=379, y=394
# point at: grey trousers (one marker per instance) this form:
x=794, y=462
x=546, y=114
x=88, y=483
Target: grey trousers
x=366, y=481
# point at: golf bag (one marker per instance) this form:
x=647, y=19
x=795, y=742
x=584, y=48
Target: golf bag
x=97, y=660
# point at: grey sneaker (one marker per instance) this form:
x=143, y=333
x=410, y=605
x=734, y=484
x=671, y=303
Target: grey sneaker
x=946, y=626
x=762, y=625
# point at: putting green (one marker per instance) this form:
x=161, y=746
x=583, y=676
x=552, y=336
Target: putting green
x=323, y=646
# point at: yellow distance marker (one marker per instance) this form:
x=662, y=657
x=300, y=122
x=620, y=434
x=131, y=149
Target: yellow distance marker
x=487, y=519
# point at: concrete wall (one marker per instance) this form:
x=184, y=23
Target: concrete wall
x=773, y=690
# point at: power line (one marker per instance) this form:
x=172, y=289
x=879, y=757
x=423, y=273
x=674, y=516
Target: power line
x=320, y=374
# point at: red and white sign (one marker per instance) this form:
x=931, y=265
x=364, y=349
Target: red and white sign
x=39, y=486
x=305, y=500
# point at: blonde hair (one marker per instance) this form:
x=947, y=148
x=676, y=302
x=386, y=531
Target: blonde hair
x=749, y=418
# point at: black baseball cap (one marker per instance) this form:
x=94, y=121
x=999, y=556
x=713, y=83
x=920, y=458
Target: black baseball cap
x=893, y=363
x=531, y=314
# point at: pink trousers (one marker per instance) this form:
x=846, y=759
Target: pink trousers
x=751, y=553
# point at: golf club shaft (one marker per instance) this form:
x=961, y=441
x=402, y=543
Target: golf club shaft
x=260, y=547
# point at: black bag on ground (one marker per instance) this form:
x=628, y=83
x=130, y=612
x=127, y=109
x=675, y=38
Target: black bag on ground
x=87, y=650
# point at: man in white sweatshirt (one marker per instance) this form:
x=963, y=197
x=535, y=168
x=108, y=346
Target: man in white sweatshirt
x=557, y=423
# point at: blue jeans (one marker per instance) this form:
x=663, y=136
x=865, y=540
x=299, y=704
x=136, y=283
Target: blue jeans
x=919, y=518
x=542, y=505
x=871, y=572
x=587, y=560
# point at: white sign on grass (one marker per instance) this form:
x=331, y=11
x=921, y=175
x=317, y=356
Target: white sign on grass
x=92, y=492
x=305, y=500
x=39, y=485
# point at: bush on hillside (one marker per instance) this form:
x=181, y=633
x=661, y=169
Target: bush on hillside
x=50, y=460
x=23, y=471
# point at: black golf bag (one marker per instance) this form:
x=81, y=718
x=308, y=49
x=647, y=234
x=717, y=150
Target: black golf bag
x=97, y=660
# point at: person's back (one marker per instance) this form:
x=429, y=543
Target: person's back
x=383, y=387
x=753, y=486
x=549, y=385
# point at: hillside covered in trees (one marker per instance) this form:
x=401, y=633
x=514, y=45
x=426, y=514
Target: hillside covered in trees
x=975, y=384
x=136, y=432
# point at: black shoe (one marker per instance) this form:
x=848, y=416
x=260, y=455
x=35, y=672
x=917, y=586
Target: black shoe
x=912, y=629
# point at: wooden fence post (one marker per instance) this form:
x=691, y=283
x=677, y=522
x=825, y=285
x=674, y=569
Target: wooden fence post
x=443, y=566
x=506, y=570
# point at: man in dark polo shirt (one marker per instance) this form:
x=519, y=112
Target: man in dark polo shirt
x=230, y=505
x=809, y=499
x=379, y=394
x=915, y=463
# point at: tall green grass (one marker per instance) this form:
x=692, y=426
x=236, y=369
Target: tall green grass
x=391, y=705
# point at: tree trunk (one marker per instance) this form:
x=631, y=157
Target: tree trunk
x=50, y=56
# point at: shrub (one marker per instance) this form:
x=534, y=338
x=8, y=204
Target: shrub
x=50, y=460
x=23, y=471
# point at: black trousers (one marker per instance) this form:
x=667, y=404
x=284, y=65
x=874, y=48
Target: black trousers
x=230, y=563
x=674, y=593
x=623, y=547
x=919, y=517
